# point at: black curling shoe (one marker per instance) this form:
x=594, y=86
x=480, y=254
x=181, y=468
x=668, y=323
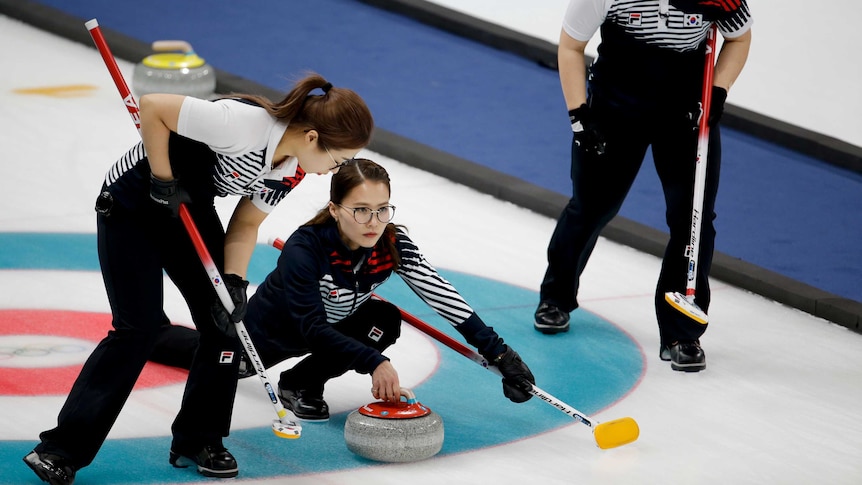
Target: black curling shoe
x=212, y=461
x=305, y=405
x=664, y=352
x=51, y=468
x=687, y=356
x=550, y=319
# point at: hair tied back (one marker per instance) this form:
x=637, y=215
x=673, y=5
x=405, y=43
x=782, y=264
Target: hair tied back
x=326, y=87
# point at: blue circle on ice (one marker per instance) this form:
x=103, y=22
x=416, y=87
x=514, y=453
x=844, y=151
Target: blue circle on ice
x=588, y=368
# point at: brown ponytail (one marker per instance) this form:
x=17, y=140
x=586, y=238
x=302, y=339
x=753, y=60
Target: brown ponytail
x=340, y=116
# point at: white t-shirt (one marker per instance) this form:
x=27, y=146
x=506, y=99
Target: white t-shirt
x=243, y=138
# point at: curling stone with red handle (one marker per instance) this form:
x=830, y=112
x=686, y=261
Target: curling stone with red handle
x=394, y=432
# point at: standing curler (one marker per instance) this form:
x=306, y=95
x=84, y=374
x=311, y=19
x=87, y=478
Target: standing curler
x=643, y=92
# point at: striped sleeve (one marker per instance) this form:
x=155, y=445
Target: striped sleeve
x=737, y=23
x=432, y=288
x=125, y=163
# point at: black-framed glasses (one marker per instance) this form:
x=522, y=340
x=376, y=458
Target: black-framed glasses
x=363, y=215
x=336, y=165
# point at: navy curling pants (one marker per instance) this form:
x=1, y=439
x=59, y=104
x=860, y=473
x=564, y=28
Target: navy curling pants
x=375, y=323
x=599, y=187
x=135, y=246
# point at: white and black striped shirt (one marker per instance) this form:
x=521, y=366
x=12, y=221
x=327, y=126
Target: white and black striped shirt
x=653, y=22
x=243, y=137
x=339, y=300
x=651, y=52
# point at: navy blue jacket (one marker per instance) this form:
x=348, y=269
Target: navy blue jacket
x=318, y=281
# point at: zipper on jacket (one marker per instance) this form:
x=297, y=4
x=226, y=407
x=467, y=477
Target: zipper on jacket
x=356, y=269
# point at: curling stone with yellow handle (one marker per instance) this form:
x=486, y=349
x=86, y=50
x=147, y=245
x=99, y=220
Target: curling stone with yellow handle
x=174, y=69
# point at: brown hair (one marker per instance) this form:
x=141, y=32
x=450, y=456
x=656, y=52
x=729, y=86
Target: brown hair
x=351, y=175
x=339, y=115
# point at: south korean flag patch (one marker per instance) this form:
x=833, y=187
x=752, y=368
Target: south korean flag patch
x=693, y=20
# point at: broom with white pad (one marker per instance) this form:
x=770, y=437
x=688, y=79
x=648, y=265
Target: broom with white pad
x=685, y=302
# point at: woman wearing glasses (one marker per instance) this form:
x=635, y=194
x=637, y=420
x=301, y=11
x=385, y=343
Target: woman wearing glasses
x=317, y=300
x=192, y=150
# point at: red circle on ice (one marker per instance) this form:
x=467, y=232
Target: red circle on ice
x=42, y=351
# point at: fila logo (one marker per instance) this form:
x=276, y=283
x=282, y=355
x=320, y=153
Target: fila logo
x=375, y=334
x=693, y=20
x=635, y=18
x=226, y=357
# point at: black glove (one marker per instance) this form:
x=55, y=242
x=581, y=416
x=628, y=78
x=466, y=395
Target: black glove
x=168, y=194
x=517, y=379
x=716, y=107
x=222, y=320
x=587, y=135
x=236, y=287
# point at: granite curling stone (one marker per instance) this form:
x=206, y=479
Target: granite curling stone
x=394, y=432
x=174, y=69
